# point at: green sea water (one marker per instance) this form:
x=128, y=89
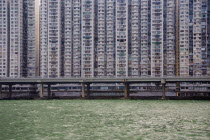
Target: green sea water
x=104, y=120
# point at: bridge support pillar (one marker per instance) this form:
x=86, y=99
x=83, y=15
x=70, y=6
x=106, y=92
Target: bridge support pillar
x=88, y=90
x=34, y=88
x=163, y=82
x=10, y=91
x=1, y=91
x=41, y=92
x=48, y=90
x=83, y=90
x=126, y=90
x=177, y=88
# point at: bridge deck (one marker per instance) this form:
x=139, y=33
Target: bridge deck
x=101, y=80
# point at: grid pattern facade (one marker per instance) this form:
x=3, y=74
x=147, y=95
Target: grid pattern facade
x=4, y=40
x=208, y=37
x=51, y=34
x=145, y=59
x=134, y=39
x=157, y=38
x=44, y=38
x=30, y=44
x=18, y=49
x=88, y=38
x=184, y=38
x=194, y=38
x=16, y=39
x=170, y=38
x=122, y=38
x=105, y=38
x=68, y=54
x=72, y=42
x=101, y=39
x=110, y=39
x=54, y=38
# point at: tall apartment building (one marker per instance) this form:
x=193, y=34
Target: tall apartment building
x=170, y=38
x=121, y=38
x=145, y=37
x=110, y=38
x=199, y=37
x=30, y=38
x=157, y=20
x=125, y=38
x=16, y=63
x=101, y=61
x=104, y=38
x=4, y=38
x=68, y=54
x=51, y=34
x=208, y=37
x=88, y=38
x=194, y=37
x=72, y=35
x=18, y=41
x=55, y=40
x=76, y=39
x=134, y=46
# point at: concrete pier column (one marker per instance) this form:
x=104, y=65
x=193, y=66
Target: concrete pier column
x=163, y=82
x=88, y=89
x=177, y=88
x=126, y=90
x=48, y=90
x=35, y=88
x=83, y=90
x=41, y=92
x=1, y=92
x=10, y=90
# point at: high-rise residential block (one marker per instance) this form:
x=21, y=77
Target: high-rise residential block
x=193, y=37
x=68, y=53
x=55, y=44
x=52, y=44
x=104, y=38
x=157, y=21
x=18, y=50
x=145, y=37
x=110, y=38
x=101, y=41
x=88, y=38
x=121, y=38
x=169, y=38
x=44, y=38
x=134, y=45
x=4, y=38
x=208, y=36
x=130, y=38
x=16, y=63
x=72, y=41
x=199, y=37
x=30, y=37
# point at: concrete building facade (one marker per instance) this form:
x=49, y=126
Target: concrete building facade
x=19, y=40
x=16, y=63
x=104, y=38
x=145, y=37
x=121, y=22
x=72, y=35
x=4, y=38
x=88, y=38
x=194, y=37
x=134, y=46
